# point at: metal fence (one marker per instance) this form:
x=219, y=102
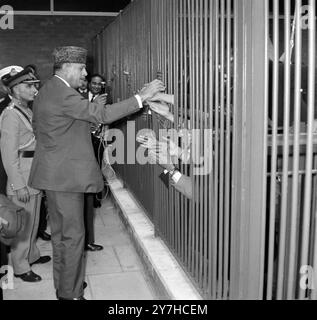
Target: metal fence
x=250, y=229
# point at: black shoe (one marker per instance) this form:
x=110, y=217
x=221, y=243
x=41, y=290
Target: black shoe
x=42, y=260
x=29, y=277
x=97, y=204
x=80, y=298
x=44, y=236
x=93, y=247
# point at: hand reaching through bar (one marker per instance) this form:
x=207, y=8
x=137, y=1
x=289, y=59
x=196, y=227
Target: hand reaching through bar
x=162, y=109
x=146, y=142
x=163, y=97
x=151, y=89
x=160, y=154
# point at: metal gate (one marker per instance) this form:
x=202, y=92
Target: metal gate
x=251, y=225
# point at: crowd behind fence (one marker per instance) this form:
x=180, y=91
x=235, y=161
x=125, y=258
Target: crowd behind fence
x=237, y=72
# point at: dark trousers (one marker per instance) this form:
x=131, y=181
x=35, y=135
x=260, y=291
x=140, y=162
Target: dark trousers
x=43, y=216
x=68, y=236
x=92, y=199
x=89, y=212
x=99, y=150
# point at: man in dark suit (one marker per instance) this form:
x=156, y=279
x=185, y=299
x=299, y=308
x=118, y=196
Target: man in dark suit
x=89, y=210
x=64, y=164
x=96, y=87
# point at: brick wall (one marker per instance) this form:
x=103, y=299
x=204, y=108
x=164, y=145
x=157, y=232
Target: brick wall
x=34, y=37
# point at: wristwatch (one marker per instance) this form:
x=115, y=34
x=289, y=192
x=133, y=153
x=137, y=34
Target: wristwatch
x=175, y=175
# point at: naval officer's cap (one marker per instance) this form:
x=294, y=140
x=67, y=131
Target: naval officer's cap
x=14, y=75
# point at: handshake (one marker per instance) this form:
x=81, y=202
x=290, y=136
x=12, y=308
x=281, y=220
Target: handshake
x=152, y=94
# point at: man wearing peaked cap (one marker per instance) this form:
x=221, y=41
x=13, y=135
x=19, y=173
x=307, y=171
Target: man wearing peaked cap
x=4, y=101
x=65, y=165
x=17, y=143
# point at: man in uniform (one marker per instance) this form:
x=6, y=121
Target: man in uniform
x=17, y=144
x=65, y=165
x=4, y=101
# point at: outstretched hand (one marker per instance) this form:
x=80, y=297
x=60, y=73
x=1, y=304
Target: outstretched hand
x=160, y=154
x=151, y=89
x=146, y=142
x=163, y=97
x=102, y=99
x=161, y=108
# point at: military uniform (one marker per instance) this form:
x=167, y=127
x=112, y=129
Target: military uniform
x=3, y=184
x=17, y=143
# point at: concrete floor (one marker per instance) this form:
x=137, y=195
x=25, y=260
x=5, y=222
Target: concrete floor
x=116, y=273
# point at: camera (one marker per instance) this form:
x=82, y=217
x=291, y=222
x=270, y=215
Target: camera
x=103, y=88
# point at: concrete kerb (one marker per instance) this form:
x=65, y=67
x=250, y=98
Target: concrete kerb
x=168, y=276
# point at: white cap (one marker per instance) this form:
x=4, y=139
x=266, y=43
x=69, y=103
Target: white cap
x=7, y=70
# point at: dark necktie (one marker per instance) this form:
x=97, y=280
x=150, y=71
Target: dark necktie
x=93, y=98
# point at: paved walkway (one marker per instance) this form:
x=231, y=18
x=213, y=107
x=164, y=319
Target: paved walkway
x=116, y=273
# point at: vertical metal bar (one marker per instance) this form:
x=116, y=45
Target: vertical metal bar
x=265, y=147
x=181, y=115
x=228, y=150
x=207, y=199
x=196, y=108
x=249, y=138
x=237, y=150
x=192, y=124
x=295, y=181
x=256, y=134
x=309, y=146
x=186, y=104
x=173, y=20
x=191, y=217
x=212, y=225
x=222, y=146
x=177, y=90
x=169, y=77
x=273, y=151
x=282, y=231
x=216, y=271
x=200, y=126
x=163, y=34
